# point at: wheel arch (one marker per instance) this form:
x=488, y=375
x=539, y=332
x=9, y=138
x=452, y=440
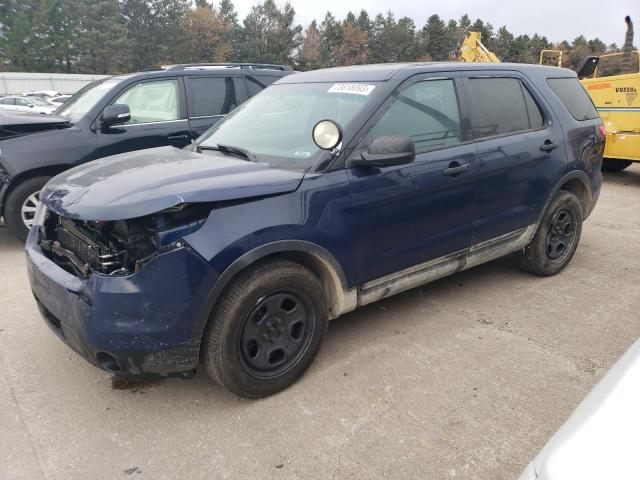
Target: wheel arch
x=578, y=183
x=48, y=171
x=340, y=297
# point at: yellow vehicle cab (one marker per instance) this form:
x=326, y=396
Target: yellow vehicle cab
x=617, y=98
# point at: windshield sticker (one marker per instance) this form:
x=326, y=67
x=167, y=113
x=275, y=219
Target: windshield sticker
x=354, y=88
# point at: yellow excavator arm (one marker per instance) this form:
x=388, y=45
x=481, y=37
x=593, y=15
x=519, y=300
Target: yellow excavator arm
x=472, y=50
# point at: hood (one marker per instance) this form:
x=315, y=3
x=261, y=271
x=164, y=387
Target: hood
x=21, y=123
x=140, y=183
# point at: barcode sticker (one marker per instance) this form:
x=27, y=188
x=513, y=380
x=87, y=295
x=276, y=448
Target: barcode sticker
x=354, y=88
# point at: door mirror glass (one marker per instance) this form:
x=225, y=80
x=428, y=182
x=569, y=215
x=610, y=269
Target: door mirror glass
x=387, y=152
x=327, y=134
x=116, y=115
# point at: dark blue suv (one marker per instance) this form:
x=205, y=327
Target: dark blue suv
x=327, y=191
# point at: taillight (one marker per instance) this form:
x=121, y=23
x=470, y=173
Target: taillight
x=603, y=131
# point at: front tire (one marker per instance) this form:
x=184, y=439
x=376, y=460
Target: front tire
x=556, y=239
x=20, y=208
x=615, y=164
x=266, y=329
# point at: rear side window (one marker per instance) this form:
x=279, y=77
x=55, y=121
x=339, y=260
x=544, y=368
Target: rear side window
x=209, y=96
x=427, y=112
x=499, y=106
x=258, y=83
x=8, y=101
x=573, y=97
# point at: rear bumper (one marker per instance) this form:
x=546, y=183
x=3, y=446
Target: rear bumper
x=139, y=324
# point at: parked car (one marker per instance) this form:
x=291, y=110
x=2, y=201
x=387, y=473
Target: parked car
x=169, y=106
x=26, y=104
x=44, y=94
x=600, y=439
x=60, y=99
x=327, y=191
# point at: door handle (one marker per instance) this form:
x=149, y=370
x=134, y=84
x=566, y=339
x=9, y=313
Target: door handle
x=178, y=139
x=548, y=145
x=456, y=168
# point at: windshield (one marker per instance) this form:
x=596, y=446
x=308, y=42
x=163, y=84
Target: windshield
x=276, y=125
x=39, y=102
x=79, y=104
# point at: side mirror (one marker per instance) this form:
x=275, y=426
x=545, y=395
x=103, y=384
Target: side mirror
x=116, y=115
x=327, y=134
x=387, y=152
x=30, y=105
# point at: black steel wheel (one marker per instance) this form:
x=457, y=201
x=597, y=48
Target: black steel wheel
x=556, y=238
x=561, y=235
x=276, y=333
x=266, y=329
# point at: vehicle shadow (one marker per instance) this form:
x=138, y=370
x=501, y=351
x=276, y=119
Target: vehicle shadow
x=629, y=176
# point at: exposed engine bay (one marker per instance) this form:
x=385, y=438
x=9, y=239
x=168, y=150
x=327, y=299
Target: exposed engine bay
x=118, y=247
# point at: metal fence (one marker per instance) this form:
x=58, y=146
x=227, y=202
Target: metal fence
x=13, y=83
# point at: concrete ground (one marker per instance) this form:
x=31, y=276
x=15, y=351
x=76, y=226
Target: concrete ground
x=464, y=378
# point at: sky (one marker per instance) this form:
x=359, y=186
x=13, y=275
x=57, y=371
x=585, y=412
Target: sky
x=556, y=19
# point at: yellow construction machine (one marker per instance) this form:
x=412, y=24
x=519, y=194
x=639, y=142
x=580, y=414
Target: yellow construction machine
x=613, y=83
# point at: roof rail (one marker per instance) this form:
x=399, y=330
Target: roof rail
x=247, y=66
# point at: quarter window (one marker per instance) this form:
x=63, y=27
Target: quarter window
x=573, y=97
x=427, y=112
x=151, y=101
x=499, y=106
x=211, y=96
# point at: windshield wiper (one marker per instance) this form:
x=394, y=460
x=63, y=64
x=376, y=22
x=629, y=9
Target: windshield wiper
x=230, y=149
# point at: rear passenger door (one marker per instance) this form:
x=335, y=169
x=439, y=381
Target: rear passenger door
x=519, y=151
x=210, y=98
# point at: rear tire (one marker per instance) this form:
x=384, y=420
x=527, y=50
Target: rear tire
x=266, y=329
x=556, y=239
x=20, y=206
x=615, y=164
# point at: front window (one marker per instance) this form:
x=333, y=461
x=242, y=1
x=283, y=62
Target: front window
x=276, y=125
x=151, y=101
x=79, y=104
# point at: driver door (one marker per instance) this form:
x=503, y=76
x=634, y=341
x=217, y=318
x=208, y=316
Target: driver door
x=158, y=118
x=410, y=214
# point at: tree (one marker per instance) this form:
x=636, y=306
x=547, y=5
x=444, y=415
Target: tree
x=310, y=53
x=436, y=41
x=353, y=49
x=393, y=41
x=156, y=31
x=209, y=35
x=101, y=39
x=233, y=35
x=270, y=35
x=331, y=31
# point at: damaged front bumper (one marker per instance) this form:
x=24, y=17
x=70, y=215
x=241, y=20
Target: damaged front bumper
x=140, y=323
